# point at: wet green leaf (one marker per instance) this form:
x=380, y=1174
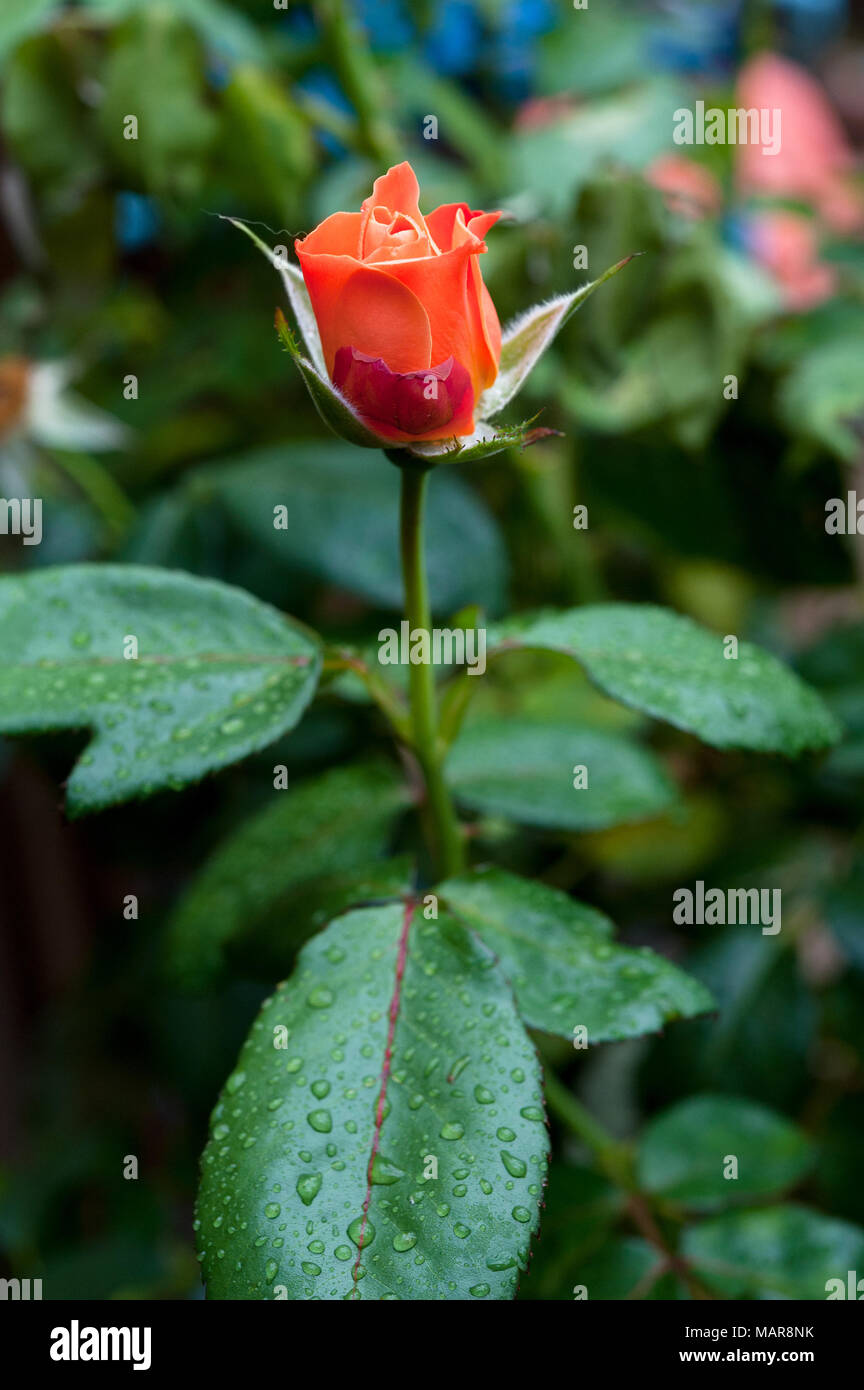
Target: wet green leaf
x=564, y=967
x=217, y=676
x=395, y=1043
x=670, y=667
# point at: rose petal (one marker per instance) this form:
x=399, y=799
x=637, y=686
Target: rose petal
x=434, y=403
x=368, y=308
x=442, y=221
x=337, y=235
x=445, y=286
x=399, y=190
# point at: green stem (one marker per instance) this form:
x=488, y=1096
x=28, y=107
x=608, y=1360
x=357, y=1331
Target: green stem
x=611, y=1156
x=445, y=830
x=614, y=1160
x=359, y=78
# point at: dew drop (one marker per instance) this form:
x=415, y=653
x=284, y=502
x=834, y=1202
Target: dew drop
x=405, y=1240
x=515, y=1166
x=354, y=1230
x=308, y=1187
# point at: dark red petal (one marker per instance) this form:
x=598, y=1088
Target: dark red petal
x=413, y=402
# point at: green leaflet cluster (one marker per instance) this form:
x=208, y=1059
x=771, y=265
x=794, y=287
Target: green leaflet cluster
x=383, y=1134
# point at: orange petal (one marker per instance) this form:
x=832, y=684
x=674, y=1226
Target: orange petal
x=398, y=190
x=442, y=223
x=361, y=307
x=485, y=328
x=397, y=236
x=337, y=235
x=441, y=284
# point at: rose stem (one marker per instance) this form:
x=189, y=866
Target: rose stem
x=449, y=845
x=614, y=1160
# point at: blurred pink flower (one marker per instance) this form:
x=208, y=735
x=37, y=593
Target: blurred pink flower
x=539, y=112
x=787, y=245
x=688, y=188
x=814, y=159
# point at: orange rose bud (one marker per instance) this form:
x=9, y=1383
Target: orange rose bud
x=408, y=329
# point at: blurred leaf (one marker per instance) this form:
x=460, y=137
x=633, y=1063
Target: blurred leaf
x=632, y=128
x=464, y=124
x=841, y=1160
x=218, y=674
x=604, y=48
x=668, y=847
x=312, y=849
x=781, y=1252
x=343, y=522
x=267, y=142
x=298, y=295
x=525, y=772
x=684, y=1150
x=579, y=1209
x=665, y=358
x=844, y=913
x=347, y=1160
x=60, y=419
x=43, y=119
x=223, y=26
x=20, y=18
x=617, y=212
x=564, y=968
x=627, y=1268
x=672, y=669
x=761, y=1041
x=527, y=337
x=823, y=397
x=154, y=72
